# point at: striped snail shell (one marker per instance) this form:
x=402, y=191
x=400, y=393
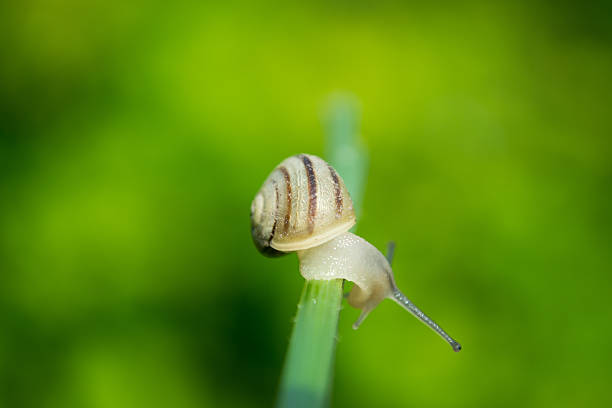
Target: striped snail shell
x=303, y=203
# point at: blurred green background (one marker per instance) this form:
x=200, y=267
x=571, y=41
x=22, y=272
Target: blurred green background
x=133, y=137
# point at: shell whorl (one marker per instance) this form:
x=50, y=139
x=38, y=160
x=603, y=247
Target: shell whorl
x=303, y=203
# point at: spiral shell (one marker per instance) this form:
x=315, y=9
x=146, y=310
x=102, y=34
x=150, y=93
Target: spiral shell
x=303, y=203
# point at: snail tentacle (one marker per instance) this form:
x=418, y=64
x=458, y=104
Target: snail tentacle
x=407, y=304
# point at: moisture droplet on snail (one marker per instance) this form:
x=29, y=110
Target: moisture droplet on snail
x=304, y=207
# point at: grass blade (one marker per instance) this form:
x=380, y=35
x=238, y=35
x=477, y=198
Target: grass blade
x=308, y=372
x=308, y=369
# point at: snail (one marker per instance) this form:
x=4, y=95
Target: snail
x=304, y=207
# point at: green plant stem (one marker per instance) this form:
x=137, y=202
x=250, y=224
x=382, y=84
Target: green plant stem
x=307, y=375
x=309, y=362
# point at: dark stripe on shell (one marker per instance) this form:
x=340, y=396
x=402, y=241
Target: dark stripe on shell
x=288, y=185
x=338, y=191
x=275, y=217
x=312, y=193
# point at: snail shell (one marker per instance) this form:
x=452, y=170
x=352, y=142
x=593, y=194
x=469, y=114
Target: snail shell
x=303, y=203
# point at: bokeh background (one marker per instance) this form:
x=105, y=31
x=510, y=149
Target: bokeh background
x=135, y=134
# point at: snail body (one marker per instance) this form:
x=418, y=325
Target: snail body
x=304, y=207
x=356, y=260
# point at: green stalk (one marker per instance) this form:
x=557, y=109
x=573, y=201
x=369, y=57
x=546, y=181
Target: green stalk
x=308, y=372
x=306, y=380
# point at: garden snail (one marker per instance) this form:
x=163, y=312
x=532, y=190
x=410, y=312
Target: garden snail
x=304, y=207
